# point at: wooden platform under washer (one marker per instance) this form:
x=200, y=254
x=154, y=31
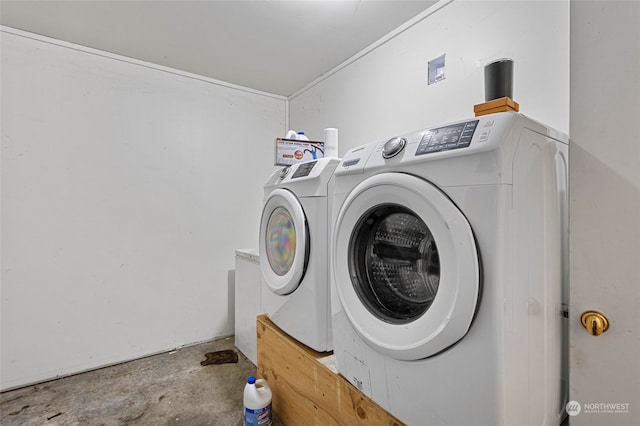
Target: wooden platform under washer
x=306, y=389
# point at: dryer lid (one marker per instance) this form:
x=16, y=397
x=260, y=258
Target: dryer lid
x=406, y=266
x=284, y=242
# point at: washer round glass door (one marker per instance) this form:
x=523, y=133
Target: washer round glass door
x=406, y=266
x=394, y=263
x=284, y=242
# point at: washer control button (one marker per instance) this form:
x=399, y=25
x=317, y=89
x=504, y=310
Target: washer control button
x=393, y=147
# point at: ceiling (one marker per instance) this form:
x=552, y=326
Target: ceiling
x=269, y=45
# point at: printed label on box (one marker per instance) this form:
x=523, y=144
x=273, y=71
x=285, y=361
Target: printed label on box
x=290, y=151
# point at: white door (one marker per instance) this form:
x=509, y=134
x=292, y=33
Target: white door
x=604, y=213
x=284, y=242
x=406, y=266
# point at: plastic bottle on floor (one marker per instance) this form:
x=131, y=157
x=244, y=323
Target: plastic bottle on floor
x=257, y=403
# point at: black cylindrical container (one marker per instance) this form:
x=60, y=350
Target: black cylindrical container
x=498, y=80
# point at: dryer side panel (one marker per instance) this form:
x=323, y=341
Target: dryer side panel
x=537, y=283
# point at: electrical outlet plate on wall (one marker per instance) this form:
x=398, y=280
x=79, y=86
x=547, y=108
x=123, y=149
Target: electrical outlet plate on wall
x=436, y=70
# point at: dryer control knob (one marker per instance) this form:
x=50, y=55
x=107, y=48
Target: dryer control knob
x=393, y=147
x=284, y=172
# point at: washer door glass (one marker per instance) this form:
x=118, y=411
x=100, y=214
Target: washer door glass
x=284, y=242
x=394, y=258
x=406, y=268
x=281, y=241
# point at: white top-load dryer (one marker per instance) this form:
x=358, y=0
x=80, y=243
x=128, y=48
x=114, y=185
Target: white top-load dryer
x=294, y=238
x=448, y=287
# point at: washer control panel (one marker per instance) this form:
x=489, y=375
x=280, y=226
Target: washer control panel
x=284, y=172
x=393, y=147
x=449, y=137
x=303, y=169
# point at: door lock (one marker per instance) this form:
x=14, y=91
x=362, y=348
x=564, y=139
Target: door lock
x=595, y=322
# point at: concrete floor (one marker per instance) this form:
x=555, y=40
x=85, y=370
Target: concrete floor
x=166, y=389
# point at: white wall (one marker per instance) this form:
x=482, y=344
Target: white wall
x=604, y=188
x=126, y=189
x=120, y=221
x=384, y=93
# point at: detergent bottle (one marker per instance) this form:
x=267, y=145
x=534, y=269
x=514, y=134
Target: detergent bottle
x=291, y=134
x=301, y=137
x=257, y=403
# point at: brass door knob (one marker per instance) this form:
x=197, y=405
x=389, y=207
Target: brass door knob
x=595, y=322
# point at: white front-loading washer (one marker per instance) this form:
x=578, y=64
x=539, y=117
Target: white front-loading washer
x=447, y=272
x=294, y=259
